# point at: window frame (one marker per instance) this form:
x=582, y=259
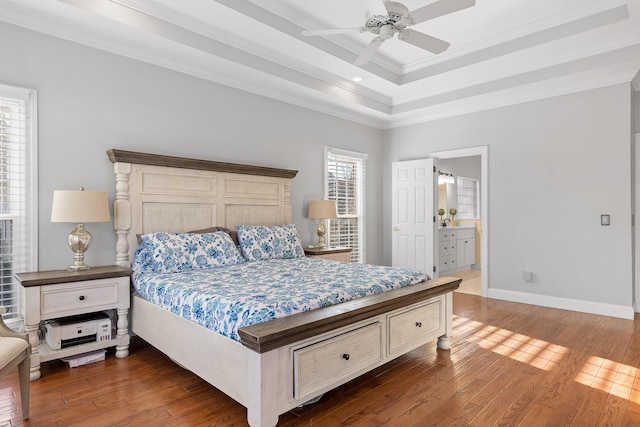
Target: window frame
x=358, y=254
x=29, y=173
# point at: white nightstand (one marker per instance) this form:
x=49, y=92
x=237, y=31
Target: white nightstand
x=333, y=254
x=60, y=293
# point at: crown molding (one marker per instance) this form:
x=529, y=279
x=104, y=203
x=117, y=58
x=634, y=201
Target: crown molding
x=536, y=91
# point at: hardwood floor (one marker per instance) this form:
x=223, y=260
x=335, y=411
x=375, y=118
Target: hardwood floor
x=510, y=365
x=471, y=281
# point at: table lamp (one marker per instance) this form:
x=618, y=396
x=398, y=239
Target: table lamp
x=79, y=207
x=321, y=210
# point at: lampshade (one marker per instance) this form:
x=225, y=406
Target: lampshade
x=80, y=206
x=322, y=209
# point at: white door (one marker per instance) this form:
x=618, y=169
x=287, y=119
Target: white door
x=413, y=215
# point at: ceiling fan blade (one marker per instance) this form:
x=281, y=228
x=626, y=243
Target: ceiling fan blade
x=369, y=51
x=331, y=31
x=439, y=8
x=375, y=7
x=423, y=41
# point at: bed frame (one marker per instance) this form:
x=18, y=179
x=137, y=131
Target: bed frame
x=279, y=364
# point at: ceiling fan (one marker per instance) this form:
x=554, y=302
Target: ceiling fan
x=386, y=18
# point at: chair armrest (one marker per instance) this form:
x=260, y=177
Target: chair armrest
x=6, y=331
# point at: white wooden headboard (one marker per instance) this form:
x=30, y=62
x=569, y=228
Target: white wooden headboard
x=175, y=194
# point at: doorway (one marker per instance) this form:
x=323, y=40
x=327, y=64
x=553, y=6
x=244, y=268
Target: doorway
x=471, y=278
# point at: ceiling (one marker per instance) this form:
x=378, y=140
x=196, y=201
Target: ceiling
x=502, y=52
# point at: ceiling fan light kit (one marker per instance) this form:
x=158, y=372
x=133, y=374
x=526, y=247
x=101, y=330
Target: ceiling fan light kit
x=386, y=25
x=396, y=21
x=386, y=32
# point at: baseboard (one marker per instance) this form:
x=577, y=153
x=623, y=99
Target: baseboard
x=621, y=311
x=455, y=270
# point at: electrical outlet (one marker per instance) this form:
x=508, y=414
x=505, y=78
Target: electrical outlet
x=527, y=276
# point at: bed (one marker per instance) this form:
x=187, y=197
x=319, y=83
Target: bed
x=275, y=365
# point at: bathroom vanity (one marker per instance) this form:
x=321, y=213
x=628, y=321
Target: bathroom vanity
x=457, y=248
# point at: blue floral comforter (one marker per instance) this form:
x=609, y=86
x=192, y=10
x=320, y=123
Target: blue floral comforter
x=227, y=298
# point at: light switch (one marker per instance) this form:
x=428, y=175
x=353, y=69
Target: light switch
x=604, y=220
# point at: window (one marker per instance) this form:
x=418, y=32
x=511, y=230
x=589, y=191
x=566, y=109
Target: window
x=18, y=243
x=345, y=178
x=468, y=198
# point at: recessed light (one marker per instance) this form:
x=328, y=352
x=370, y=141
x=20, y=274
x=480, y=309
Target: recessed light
x=357, y=79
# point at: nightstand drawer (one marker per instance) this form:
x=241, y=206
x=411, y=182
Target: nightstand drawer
x=78, y=297
x=333, y=254
x=341, y=256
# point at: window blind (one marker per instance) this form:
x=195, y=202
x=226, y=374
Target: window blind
x=16, y=218
x=345, y=183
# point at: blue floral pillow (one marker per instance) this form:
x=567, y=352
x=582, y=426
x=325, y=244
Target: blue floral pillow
x=175, y=252
x=269, y=242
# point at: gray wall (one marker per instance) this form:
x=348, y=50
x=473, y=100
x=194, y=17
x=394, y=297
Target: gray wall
x=90, y=101
x=555, y=165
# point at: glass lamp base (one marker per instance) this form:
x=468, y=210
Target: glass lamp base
x=321, y=230
x=79, y=241
x=75, y=267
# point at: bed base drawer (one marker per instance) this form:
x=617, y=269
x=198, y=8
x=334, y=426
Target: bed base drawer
x=321, y=366
x=413, y=327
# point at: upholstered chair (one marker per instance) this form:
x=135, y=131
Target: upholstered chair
x=15, y=351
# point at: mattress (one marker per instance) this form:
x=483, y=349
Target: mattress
x=227, y=298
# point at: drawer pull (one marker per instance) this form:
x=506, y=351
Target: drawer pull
x=81, y=298
x=419, y=324
x=346, y=356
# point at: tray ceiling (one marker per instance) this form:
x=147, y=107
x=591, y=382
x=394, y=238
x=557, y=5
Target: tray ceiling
x=502, y=51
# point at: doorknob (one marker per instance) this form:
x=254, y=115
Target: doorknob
x=396, y=229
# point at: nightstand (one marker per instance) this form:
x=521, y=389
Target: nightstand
x=333, y=254
x=54, y=294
